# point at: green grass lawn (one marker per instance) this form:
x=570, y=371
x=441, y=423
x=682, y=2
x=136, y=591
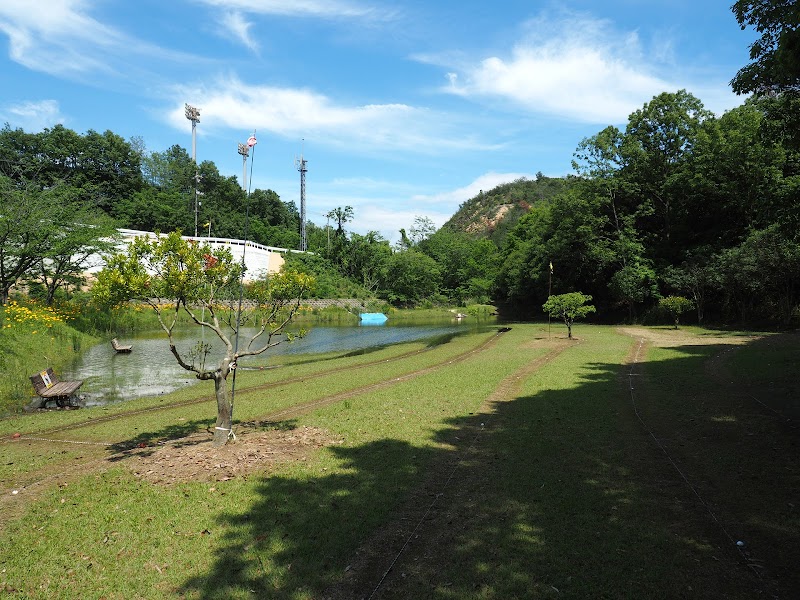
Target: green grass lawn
x=531, y=467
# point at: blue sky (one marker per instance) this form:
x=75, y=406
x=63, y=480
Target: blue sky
x=401, y=109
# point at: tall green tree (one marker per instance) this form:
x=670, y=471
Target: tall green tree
x=761, y=277
x=410, y=277
x=468, y=266
x=658, y=140
x=633, y=285
x=775, y=55
x=104, y=166
x=366, y=259
x=38, y=226
x=74, y=248
x=340, y=216
x=773, y=74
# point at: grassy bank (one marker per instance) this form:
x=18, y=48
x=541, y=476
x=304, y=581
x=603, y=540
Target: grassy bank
x=625, y=464
x=32, y=338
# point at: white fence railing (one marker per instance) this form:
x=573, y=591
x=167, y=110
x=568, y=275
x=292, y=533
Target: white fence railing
x=258, y=259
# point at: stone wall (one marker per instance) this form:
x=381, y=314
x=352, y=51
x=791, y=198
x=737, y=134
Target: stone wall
x=348, y=303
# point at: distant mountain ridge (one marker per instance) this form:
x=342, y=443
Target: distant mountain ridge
x=493, y=213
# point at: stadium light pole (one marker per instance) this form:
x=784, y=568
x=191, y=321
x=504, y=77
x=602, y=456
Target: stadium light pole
x=193, y=114
x=244, y=150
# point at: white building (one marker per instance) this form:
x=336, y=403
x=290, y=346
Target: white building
x=258, y=259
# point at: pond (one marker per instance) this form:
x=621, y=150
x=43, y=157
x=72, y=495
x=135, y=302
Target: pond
x=151, y=370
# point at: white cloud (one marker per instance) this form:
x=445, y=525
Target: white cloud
x=60, y=38
x=54, y=37
x=32, y=115
x=294, y=113
x=240, y=28
x=454, y=198
x=388, y=220
x=574, y=67
x=391, y=206
x=297, y=8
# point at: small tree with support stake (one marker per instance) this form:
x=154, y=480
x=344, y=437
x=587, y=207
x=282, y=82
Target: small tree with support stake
x=175, y=276
x=569, y=307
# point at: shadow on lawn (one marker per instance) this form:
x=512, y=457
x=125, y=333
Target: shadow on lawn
x=558, y=494
x=146, y=439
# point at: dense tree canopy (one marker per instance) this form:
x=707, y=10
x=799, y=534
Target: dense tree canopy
x=775, y=55
x=680, y=203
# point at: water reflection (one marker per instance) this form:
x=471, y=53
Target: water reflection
x=151, y=369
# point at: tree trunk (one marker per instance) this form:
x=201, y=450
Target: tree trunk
x=224, y=423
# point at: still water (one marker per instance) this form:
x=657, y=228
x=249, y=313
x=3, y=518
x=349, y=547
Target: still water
x=151, y=370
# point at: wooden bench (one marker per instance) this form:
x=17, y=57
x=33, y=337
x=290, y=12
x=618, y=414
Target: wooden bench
x=48, y=387
x=119, y=347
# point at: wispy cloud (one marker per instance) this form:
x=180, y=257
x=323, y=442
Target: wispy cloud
x=389, y=206
x=55, y=37
x=32, y=115
x=453, y=198
x=300, y=8
x=240, y=27
x=293, y=113
x=61, y=38
x=573, y=67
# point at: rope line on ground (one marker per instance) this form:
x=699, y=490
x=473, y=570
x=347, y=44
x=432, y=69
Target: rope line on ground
x=425, y=516
x=41, y=439
x=736, y=544
x=436, y=497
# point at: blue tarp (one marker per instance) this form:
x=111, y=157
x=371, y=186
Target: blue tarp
x=373, y=318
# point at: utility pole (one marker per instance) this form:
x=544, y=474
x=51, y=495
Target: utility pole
x=327, y=215
x=193, y=114
x=300, y=163
x=549, y=293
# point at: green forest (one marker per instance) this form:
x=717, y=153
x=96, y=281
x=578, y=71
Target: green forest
x=680, y=203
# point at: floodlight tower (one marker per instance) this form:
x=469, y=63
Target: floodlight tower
x=300, y=163
x=193, y=114
x=244, y=150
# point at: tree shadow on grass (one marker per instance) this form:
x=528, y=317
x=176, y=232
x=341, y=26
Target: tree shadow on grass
x=299, y=531
x=147, y=439
x=557, y=494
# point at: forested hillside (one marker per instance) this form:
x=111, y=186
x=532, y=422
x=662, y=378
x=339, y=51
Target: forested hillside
x=492, y=213
x=680, y=202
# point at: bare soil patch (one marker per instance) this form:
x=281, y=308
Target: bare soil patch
x=670, y=338
x=252, y=452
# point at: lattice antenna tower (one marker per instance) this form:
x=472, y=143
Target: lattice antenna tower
x=300, y=163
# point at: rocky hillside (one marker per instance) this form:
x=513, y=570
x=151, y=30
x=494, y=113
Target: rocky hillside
x=492, y=214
